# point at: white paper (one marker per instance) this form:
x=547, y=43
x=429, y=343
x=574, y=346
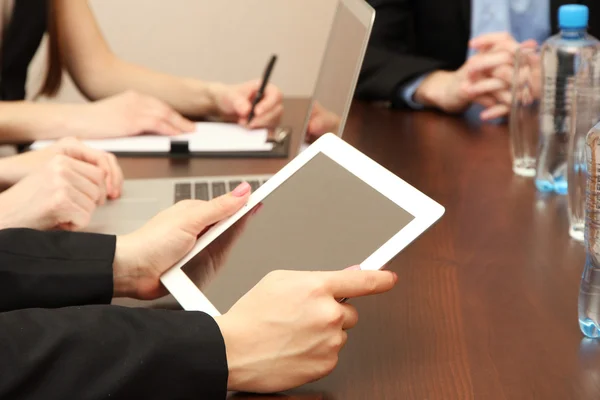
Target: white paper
x=133, y=144
x=208, y=137
x=220, y=137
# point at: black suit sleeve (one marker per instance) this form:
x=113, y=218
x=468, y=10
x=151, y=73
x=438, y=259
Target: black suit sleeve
x=95, y=351
x=54, y=269
x=109, y=352
x=391, y=60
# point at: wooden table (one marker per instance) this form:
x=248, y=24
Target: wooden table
x=486, y=304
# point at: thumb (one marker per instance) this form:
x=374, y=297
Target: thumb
x=221, y=207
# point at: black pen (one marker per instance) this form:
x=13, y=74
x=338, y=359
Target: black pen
x=263, y=86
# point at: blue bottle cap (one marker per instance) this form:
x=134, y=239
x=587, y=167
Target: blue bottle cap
x=573, y=16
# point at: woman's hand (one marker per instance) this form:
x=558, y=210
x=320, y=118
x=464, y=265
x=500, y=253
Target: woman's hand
x=61, y=194
x=143, y=256
x=128, y=114
x=15, y=168
x=234, y=103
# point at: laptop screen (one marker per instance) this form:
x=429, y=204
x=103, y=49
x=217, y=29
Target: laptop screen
x=342, y=61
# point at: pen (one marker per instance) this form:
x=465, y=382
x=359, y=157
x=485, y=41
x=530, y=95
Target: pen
x=263, y=85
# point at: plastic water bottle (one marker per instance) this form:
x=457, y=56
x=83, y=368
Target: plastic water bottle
x=589, y=292
x=561, y=57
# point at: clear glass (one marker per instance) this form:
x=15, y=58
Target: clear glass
x=585, y=114
x=524, y=120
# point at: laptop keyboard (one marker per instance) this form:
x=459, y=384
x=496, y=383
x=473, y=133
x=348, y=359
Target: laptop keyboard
x=209, y=190
x=200, y=191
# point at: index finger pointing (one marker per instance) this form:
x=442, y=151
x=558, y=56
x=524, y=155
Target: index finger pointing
x=348, y=283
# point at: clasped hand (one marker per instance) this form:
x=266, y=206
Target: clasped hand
x=485, y=78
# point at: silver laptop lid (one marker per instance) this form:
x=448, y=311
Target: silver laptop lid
x=343, y=59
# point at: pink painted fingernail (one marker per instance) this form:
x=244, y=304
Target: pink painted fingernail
x=241, y=190
x=353, y=268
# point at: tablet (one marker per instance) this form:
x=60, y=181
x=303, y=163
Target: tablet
x=329, y=208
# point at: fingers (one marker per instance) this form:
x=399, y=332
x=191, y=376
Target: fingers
x=116, y=176
x=497, y=111
x=487, y=100
x=350, y=316
x=483, y=86
x=267, y=112
x=204, y=214
x=107, y=162
x=488, y=40
x=79, y=212
x=270, y=119
x=486, y=61
x=87, y=179
x=162, y=119
x=271, y=99
x=503, y=97
x=179, y=122
x=504, y=72
x=347, y=284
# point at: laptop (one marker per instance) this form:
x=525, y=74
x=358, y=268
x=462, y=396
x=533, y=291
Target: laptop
x=338, y=74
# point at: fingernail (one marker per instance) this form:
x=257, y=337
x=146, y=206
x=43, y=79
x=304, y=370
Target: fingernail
x=395, y=276
x=241, y=190
x=353, y=268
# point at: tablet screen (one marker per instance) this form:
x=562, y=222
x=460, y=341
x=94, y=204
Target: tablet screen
x=321, y=218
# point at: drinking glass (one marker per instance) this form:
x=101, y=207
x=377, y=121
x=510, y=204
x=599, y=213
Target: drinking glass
x=524, y=111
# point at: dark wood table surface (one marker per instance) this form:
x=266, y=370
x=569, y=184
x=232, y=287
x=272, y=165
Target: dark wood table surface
x=486, y=304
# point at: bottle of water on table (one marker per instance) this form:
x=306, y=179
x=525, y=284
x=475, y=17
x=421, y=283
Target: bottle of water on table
x=589, y=292
x=561, y=57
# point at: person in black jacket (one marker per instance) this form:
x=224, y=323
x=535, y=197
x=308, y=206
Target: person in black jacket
x=450, y=54
x=59, y=339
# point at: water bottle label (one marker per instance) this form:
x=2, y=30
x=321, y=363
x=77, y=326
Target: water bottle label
x=556, y=105
x=592, y=192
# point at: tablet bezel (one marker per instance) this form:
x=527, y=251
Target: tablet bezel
x=425, y=211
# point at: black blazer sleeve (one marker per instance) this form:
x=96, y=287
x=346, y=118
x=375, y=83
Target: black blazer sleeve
x=54, y=269
x=391, y=60
x=109, y=352
x=96, y=351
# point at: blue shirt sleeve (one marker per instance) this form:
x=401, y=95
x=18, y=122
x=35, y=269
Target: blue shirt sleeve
x=407, y=92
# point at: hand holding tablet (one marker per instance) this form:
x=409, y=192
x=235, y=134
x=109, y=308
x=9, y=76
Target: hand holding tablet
x=328, y=209
x=331, y=207
x=295, y=311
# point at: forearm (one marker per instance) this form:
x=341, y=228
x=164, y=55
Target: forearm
x=100, y=352
x=23, y=121
x=190, y=97
x=54, y=269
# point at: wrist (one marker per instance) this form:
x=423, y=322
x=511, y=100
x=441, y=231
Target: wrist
x=125, y=269
x=205, y=96
x=234, y=377
x=432, y=91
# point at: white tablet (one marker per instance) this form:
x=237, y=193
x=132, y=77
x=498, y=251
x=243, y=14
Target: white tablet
x=330, y=208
